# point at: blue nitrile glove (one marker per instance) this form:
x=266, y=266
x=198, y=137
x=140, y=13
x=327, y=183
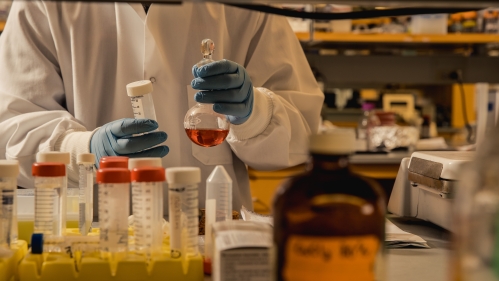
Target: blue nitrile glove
x=227, y=85
x=115, y=139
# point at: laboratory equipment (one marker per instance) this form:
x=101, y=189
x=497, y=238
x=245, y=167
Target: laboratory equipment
x=204, y=126
x=364, y=130
x=9, y=170
x=86, y=162
x=183, y=210
x=218, y=202
x=242, y=249
x=329, y=224
x=113, y=162
x=144, y=162
x=426, y=184
x=50, y=202
x=114, y=203
x=147, y=205
x=140, y=93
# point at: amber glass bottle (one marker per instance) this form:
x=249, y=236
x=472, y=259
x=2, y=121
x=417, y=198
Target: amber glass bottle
x=329, y=224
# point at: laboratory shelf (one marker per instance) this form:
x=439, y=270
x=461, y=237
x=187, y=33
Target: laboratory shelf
x=9, y=266
x=401, y=38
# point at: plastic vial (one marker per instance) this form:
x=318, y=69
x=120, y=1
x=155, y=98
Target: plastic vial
x=113, y=162
x=140, y=93
x=328, y=223
x=9, y=170
x=147, y=205
x=183, y=210
x=114, y=203
x=86, y=162
x=144, y=162
x=369, y=120
x=204, y=126
x=218, y=202
x=50, y=202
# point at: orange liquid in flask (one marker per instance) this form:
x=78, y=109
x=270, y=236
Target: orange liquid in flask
x=207, y=137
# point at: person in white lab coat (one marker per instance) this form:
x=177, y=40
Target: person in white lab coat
x=64, y=67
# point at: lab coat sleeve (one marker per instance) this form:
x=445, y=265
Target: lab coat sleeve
x=33, y=116
x=287, y=100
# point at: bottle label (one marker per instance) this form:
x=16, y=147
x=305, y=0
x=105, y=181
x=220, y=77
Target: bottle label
x=325, y=258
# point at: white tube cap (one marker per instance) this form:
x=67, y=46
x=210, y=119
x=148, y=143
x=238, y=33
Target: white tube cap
x=144, y=162
x=54, y=156
x=85, y=158
x=9, y=168
x=185, y=175
x=139, y=88
x=334, y=142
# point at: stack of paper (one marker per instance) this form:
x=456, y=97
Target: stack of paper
x=397, y=238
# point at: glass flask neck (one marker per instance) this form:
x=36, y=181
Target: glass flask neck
x=329, y=163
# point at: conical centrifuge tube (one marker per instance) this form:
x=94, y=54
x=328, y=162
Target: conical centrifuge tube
x=204, y=126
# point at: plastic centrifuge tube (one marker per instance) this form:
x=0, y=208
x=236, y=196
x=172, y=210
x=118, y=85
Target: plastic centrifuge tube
x=218, y=203
x=140, y=93
x=114, y=203
x=183, y=210
x=147, y=205
x=113, y=162
x=9, y=170
x=86, y=162
x=50, y=203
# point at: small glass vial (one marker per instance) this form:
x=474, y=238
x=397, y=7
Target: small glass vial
x=114, y=203
x=113, y=162
x=365, y=127
x=183, y=210
x=9, y=170
x=50, y=202
x=85, y=163
x=329, y=224
x=147, y=205
x=202, y=125
x=140, y=94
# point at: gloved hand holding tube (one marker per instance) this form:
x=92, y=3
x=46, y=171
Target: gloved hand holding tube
x=116, y=139
x=228, y=86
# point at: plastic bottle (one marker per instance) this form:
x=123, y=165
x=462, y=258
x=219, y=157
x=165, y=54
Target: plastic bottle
x=86, y=162
x=9, y=170
x=114, y=203
x=328, y=223
x=140, y=93
x=50, y=202
x=183, y=210
x=369, y=120
x=147, y=198
x=218, y=202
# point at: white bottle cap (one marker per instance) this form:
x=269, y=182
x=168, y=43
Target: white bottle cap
x=54, y=156
x=85, y=158
x=144, y=162
x=9, y=168
x=219, y=175
x=139, y=88
x=335, y=142
x=185, y=175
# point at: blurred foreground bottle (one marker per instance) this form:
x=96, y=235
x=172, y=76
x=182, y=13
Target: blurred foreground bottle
x=476, y=216
x=329, y=224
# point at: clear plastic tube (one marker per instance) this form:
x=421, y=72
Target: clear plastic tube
x=184, y=221
x=50, y=203
x=147, y=206
x=8, y=212
x=86, y=199
x=143, y=107
x=114, y=203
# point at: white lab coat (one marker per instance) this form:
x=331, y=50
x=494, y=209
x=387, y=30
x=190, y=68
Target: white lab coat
x=64, y=67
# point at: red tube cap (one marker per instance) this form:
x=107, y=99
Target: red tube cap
x=48, y=169
x=148, y=174
x=113, y=162
x=113, y=175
